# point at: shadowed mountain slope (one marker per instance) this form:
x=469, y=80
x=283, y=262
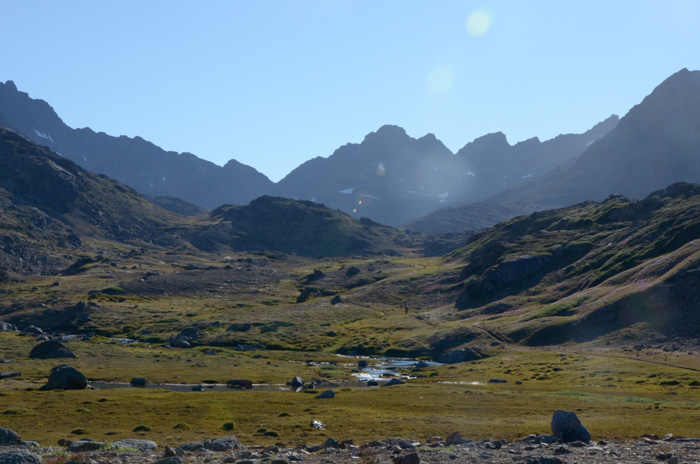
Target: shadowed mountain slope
x=48, y=203
x=133, y=161
x=656, y=144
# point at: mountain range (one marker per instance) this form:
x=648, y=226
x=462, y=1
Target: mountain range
x=395, y=179
x=654, y=145
x=389, y=177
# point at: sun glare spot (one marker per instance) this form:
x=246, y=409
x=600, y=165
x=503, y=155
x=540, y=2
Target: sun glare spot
x=478, y=23
x=380, y=169
x=440, y=80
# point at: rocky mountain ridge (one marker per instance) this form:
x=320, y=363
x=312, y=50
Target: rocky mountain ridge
x=654, y=145
x=389, y=177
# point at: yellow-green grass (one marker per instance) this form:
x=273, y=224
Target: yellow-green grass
x=614, y=397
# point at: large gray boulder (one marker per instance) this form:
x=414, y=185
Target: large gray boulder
x=7, y=327
x=19, y=456
x=134, y=443
x=297, y=382
x=50, y=349
x=64, y=377
x=218, y=445
x=9, y=437
x=84, y=444
x=567, y=427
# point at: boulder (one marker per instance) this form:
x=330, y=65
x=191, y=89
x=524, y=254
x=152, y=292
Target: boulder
x=7, y=327
x=463, y=355
x=33, y=330
x=134, y=443
x=139, y=382
x=222, y=444
x=239, y=327
x=362, y=363
x=50, y=349
x=372, y=383
x=9, y=374
x=394, y=382
x=179, y=343
x=421, y=365
x=84, y=444
x=455, y=439
x=411, y=458
x=326, y=394
x=498, y=381
x=240, y=383
x=567, y=427
x=331, y=443
x=64, y=377
x=218, y=445
x=336, y=300
x=192, y=333
x=19, y=456
x=170, y=460
x=297, y=382
x=9, y=437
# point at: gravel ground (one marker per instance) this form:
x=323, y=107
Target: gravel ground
x=540, y=449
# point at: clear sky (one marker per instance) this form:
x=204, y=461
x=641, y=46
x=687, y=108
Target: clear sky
x=274, y=83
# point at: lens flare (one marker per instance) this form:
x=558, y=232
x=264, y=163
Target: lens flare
x=359, y=202
x=380, y=169
x=440, y=80
x=478, y=23
x=354, y=210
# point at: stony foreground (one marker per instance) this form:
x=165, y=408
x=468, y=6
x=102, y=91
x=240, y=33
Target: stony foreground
x=535, y=449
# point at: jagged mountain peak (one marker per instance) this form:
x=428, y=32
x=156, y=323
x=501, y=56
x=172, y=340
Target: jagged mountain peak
x=387, y=131
x=488, y=142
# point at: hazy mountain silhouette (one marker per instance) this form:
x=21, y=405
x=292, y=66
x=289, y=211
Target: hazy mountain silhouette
x=656, y=144
x=394, y=178
x=134, y=161
x=389, y=177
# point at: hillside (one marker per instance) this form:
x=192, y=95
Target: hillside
x=50, y=206
x=578, y=273
x=292, y=226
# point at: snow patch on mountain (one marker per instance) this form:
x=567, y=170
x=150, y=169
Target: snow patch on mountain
x=43, y=136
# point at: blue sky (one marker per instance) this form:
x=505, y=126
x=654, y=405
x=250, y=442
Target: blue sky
x=274, y=83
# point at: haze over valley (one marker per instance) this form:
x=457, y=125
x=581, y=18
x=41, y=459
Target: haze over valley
x=400, y=297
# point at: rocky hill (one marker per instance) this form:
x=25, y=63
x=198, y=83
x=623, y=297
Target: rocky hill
x=49, y=204
x=292, y=226
x=591, y=269
x=136, y=162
